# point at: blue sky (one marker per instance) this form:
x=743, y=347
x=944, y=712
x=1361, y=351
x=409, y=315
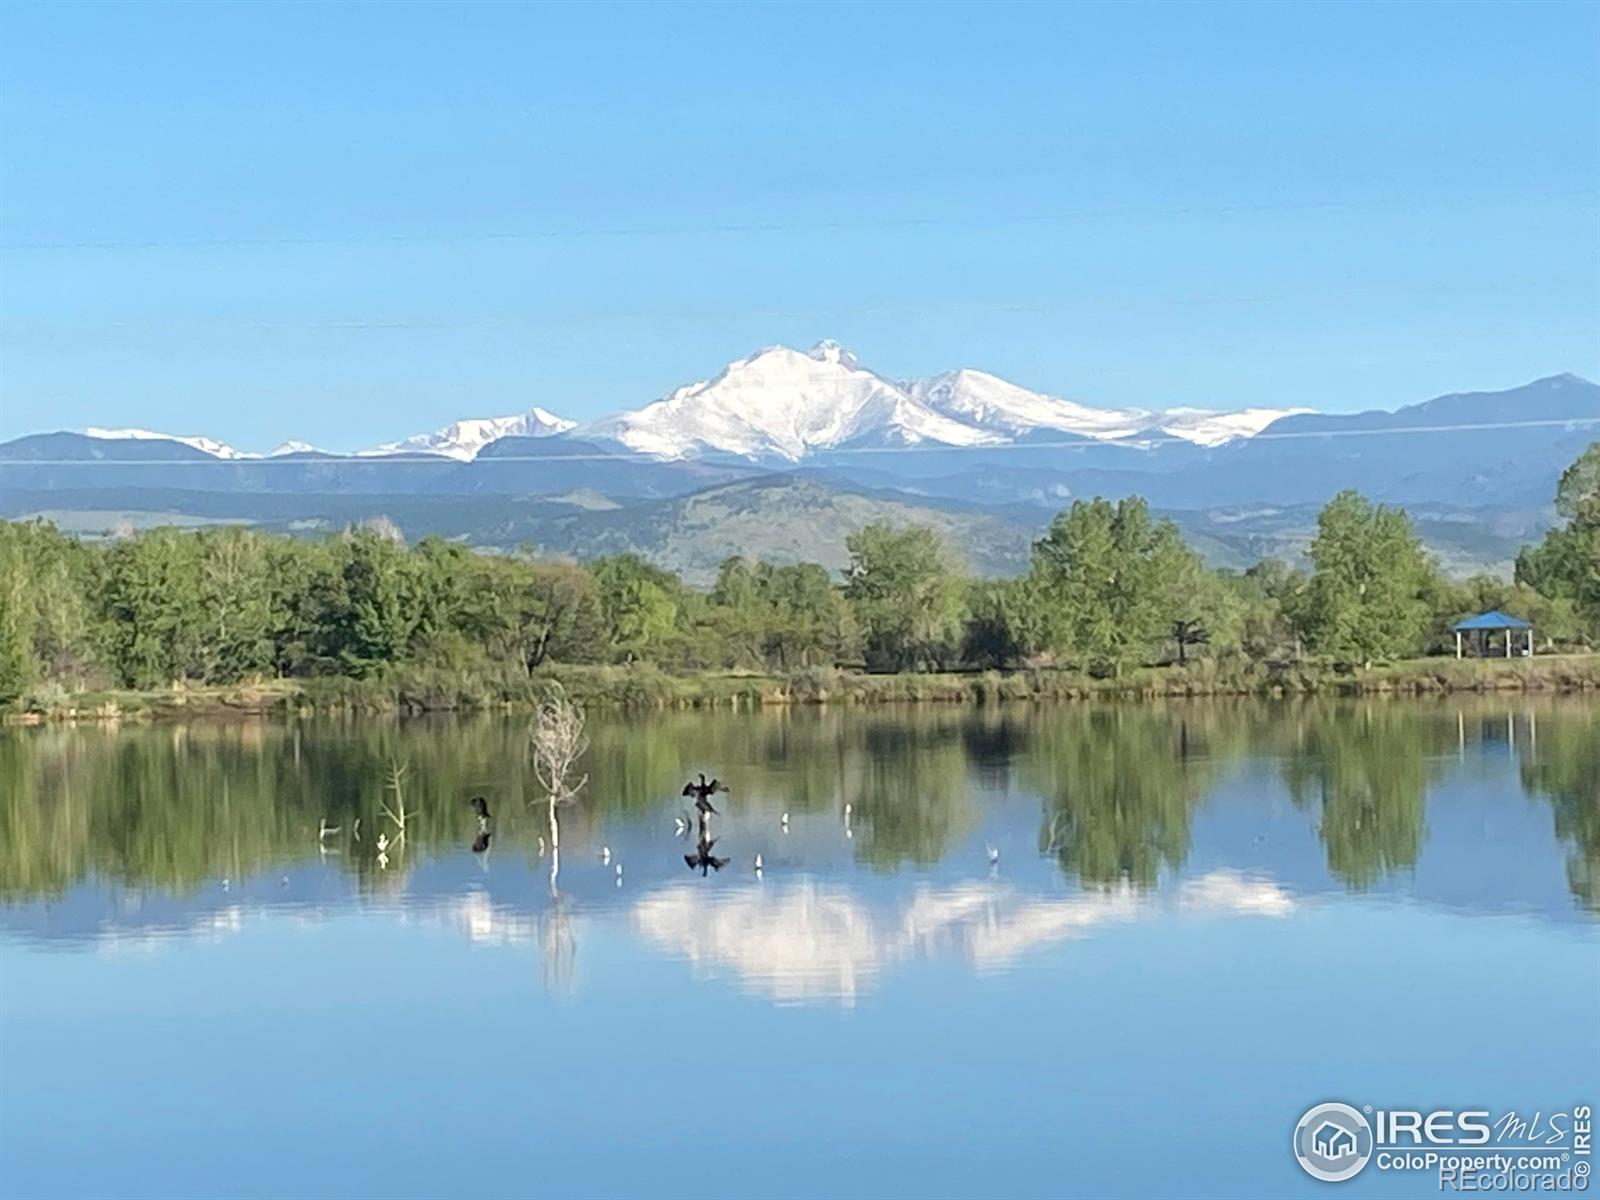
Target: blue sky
x=344, y=224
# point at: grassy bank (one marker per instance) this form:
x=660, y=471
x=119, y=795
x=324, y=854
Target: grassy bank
x=421, y=691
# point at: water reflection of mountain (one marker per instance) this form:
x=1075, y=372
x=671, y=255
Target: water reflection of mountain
x=105, y=834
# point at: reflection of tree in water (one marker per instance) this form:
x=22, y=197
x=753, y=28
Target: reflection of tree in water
x=1120, y=784
x=785, y=756
x=559, y=740
x=1368, y=770
x=558, y=948
x=904, y=774
x=911, y=794
x=1564, y=768
x=994, y=741
x=176, y=806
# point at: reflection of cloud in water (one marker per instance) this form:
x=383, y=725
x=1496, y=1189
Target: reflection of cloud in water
x=1230, y=892
x=797, y=941
x=207, y=927
x=809, y=941
x=794, y=942
x=476, y=916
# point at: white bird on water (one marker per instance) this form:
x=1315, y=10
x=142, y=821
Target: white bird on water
x=680, y=825
x=994, y=857
x=619, y=874
x=605, y=855
x=383, y=842
x=784, y=821
x=758, y=864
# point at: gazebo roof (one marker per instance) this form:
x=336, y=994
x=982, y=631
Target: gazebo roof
x=1493, y=619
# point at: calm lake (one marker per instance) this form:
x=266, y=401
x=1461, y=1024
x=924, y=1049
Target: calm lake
x=994, y=952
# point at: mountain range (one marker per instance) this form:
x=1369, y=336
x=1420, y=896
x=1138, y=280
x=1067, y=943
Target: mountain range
x=782, y=405
x=976, y=455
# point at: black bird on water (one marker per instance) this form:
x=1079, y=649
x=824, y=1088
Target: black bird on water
x=703, y=791
x=485, y=824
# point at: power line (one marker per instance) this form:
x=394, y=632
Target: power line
x=399, y=458
x=1097, y=301
x=743, y=227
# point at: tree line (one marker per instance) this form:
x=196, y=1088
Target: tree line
x=1109, y=586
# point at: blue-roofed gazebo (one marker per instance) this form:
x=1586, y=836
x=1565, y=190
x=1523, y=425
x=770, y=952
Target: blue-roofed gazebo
x=1484, y=626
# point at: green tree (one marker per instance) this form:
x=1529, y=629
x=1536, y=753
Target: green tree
x=639, y=606
x=777, y=616
x=1111, y=582
x=531, y=613
x=805, y=617
x=1270, y=595
x=237, y=598
x=1566, y=565
x=18, y=667
x=373, y=610
x=47, y=626
x=906, y=595
x=1002, y=625
x=1365, y=600
x=154, y=608
x=305, y=587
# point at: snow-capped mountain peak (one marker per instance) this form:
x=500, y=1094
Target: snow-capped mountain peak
x=1205, y=428
x=463, y=439
x=781, y=403
x=208, y=445
x=829, y=351
x=294, y=447
x=992, y=403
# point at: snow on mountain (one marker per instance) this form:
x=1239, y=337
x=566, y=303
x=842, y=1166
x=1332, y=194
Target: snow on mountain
x=208, y=445
x=781, y=403
x=991, y=403
x=294, y=447
x=463, y=439
x=1206, y=428
x=784, y=404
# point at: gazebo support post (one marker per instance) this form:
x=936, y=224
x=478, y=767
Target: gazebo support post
x=1458, y=643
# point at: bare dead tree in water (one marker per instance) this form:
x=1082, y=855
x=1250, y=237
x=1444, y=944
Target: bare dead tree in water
x=559, y=741
x=397, y=813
